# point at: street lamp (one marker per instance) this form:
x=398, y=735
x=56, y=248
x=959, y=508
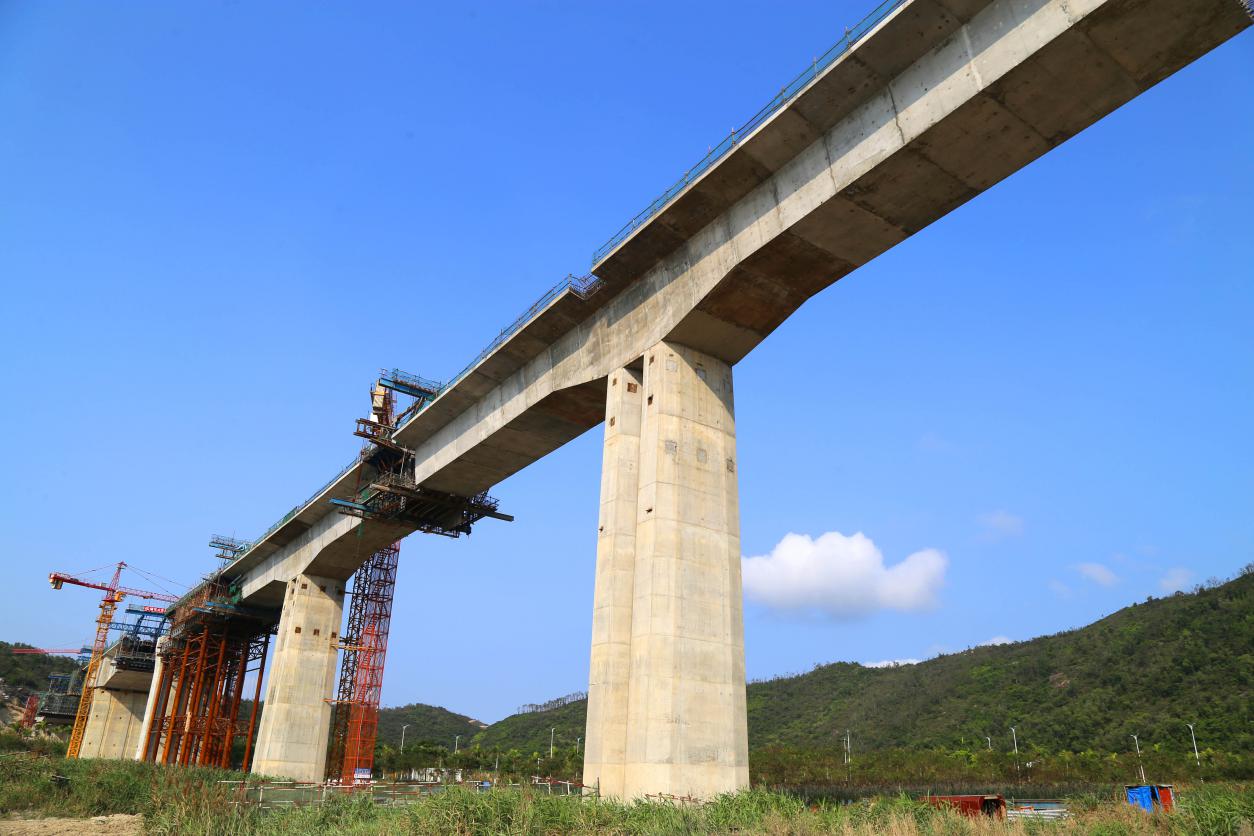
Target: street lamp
x=1196, y=756
x=456, y=741
x=1015, y=736
x=990, y=742
x=578, y=740
x=552, y=731
x=1139, y=767
x=403, y=736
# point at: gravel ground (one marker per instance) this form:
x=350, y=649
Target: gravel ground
x=117, y=825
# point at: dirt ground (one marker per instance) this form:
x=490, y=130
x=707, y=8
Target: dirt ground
x=118, y=825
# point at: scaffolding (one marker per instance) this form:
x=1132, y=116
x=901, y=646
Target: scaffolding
x=212, y=647
x=355, y=715
x=60, y=702
x=30, y=711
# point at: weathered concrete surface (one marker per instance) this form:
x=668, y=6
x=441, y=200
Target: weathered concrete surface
x=116, y=719
x=605, y=748
x=686, y=722
x=292, y=739
x=150, y=702
x=940, y=102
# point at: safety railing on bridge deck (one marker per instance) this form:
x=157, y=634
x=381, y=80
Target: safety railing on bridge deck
x=785, y=95
x=582, y=286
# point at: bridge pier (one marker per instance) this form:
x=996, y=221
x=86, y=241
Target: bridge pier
x=113, y=726
x=684, y=730
x=609, y=671
x=292, y=739
x=155, y=696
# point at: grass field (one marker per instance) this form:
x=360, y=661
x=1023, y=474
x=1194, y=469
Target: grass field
x=191, y=801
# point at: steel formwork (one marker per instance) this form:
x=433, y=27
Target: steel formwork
x=206, y=659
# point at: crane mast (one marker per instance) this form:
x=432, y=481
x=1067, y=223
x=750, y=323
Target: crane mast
x=114, y=592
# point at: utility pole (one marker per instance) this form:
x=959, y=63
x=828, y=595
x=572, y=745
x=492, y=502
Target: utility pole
x=1196, y=756
x=403, y=736
x=848, y=757
x=1139, y=767
x=1015, y=736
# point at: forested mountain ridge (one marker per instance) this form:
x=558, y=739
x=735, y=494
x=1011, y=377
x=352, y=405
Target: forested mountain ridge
x=1147, y=669
x=27, y=673
x=427, y=724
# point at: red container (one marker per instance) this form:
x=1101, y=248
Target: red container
x=974, y=806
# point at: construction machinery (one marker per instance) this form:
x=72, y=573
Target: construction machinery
x=114, y=592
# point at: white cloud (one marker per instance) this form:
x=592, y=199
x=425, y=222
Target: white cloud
x=1059, y=588
x=842, y=577
x=1175, y=580
x=999, y=525
x=1097, y=573
x=891, y=663
x=996, y=640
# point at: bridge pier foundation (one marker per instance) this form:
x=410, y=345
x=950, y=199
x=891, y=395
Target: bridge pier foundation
x=684, y=730
x=292, y=739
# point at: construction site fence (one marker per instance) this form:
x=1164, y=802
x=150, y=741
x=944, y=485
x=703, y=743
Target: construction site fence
x=738, y=135
x=277, y=795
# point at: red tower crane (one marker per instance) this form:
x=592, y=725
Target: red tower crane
x=113, y=593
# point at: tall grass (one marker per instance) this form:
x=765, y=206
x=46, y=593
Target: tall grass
x=192, y=801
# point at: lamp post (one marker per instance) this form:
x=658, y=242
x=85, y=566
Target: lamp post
x=990, y=742
x=552, y=732
x=1196, y=756
x=1139, y=767
x=456, y=743
x=403, y=736
x=1014, y=735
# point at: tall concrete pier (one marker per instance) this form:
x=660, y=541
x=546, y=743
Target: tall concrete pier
x=292, y=738
x=666, y=697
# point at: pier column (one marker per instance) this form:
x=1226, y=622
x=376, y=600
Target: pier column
x=686, y=724
x=156, y=695
x=296, y=717
x=610, y=668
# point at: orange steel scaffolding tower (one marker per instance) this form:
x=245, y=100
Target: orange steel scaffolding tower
x=356, y=709
x=208, y=654
x=30, y=712
x=389, y=492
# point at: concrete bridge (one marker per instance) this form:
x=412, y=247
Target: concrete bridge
x=937, y=101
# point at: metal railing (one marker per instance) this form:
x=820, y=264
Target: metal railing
x=582, y=286
x=785, y=95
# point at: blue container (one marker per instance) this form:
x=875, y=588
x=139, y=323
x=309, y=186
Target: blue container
x=1142, y=797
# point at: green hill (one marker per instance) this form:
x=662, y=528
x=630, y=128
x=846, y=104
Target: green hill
x=1147, y=669
x=23, y=674
x=427, y=723
x=530, y=732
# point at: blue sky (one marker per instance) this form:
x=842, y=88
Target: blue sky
x=217, y=221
